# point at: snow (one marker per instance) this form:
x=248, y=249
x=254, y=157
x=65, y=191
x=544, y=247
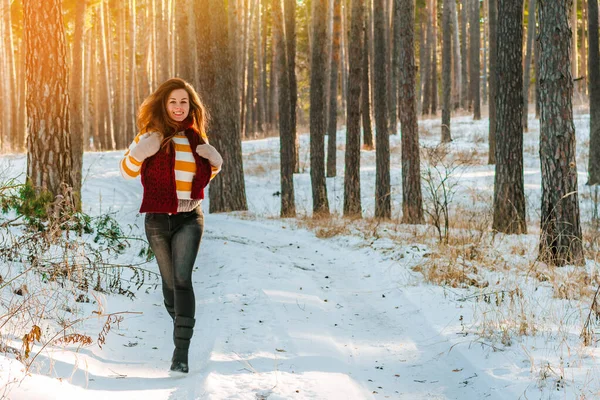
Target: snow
x=284, y=314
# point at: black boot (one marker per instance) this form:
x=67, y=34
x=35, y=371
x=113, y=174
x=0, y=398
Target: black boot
x=182, y=333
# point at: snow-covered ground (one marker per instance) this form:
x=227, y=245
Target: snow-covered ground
x=283, y=313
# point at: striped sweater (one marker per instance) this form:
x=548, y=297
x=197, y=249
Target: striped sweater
x=185, y=166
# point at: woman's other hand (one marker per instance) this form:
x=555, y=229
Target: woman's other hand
x=211, y=154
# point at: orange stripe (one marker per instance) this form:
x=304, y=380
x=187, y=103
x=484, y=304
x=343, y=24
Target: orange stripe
x=183, y=147
x=213, y=172
x=134, y=161
x=185, y=166
x=184, y=186
x=128, y=171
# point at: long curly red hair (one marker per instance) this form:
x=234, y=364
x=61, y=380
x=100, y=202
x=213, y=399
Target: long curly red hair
x=153, y=115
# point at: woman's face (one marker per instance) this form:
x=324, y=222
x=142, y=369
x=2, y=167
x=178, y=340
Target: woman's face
x=178, y=105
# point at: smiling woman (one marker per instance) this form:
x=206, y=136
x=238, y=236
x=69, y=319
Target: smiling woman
x=175, y=161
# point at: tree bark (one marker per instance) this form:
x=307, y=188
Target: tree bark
x=290, y=35
x=288, y=207
x=475, y=64
x=426, y=72
x=333, y=85
x=484, y=73
x=133, y=80
x=574, y=53
x=162, y=43
x=108, y=136
x=249, y=131
x=76, y=101
x=383, y=203
x=412, y=203
x=464, y=67
x=49, y=144
x=11, y=79
x=395, y=69
x=365, y=96
x=527, y=70
x=456, y=58
x=260, y=72
x=434, y=58
x=227, y=190
x=536, y=68
x=422, y=62
x=183, y=41
x=318, y=70
x=594, y=88
x=509, y=192
x=352, y=201
x=560, y=241
x=493, y=16
x=446, y=71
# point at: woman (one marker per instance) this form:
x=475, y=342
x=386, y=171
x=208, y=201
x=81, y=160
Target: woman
x=175, y=161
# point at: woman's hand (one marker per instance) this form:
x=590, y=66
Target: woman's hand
x=211, y=154
x=147, y=146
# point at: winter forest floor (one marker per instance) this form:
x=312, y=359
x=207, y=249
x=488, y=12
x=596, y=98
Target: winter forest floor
x=335, y=309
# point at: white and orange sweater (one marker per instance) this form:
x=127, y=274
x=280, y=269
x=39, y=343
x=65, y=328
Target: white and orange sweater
x=185, y=166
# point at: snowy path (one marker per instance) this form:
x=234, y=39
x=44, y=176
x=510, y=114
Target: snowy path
x=283, y=316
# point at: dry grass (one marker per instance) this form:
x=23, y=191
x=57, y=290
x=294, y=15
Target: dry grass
x=324, y=226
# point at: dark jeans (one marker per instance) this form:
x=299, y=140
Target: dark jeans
x=175, y=240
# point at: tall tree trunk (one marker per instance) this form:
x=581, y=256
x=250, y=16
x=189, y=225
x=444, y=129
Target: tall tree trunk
x=121, y=136
x=426, y=72
x=574, y=53
x=594, y=88
x=49, y=144
x=133, y=81
x=583, y=48
x=227, y=191
x=76, y=101
x=288, y=207
x=183, y=41
x=536, y=69
x=260, y=72
x=434, y=58
x=395, y=69
x=273, y=88
x=318, y=69
x=241, y=68
x=344, y=55
x=509, y=192
x=383, y=202
x=290, y=35
x=95, y=102
x=88, y=90
x=493, y=16
x=109, y=137
x=249, y=131
x=422, y=62
x=560, y=241
x=528, y=54
x=484, y=73
x=456, y=58
x=475, y=64
x=352, y=202
x=333, y=94
x=446, y=71
x=365, y=93
x=162, y=41
x=464, y=67
x=11, y=77
x=5, y=135
x=412, y=203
